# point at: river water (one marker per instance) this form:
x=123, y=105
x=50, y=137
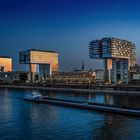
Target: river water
x=23, y=120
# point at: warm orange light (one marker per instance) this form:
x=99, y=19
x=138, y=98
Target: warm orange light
x=38, y=57
x=33, y=67
x=6, y=63
x=109, y=64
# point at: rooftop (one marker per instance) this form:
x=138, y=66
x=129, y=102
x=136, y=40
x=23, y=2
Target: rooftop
x=113, y=38
x=42, y=50
x=5, y=57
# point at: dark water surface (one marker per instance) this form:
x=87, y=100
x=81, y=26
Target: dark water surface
x=23, y=120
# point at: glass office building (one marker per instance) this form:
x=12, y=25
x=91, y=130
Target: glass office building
x=118, y=56
x=43, y=62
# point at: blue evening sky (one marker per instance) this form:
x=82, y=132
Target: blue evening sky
x=66, y=26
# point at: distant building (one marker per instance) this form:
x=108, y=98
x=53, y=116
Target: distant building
x=118, y=56
x=14, y=77
x=5, y=64
x=83, y=67
x=73, y=77
x=42, y=62
x=99, y=75
x=135, y=74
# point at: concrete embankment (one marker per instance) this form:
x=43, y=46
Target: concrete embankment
x=87, y=105
x=106, y=91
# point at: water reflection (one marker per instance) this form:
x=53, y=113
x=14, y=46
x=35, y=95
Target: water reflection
x=20, y=119
x=130, y=101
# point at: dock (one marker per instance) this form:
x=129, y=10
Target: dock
x=88, y=105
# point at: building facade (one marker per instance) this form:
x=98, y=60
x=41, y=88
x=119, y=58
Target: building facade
x=15, y=77
x=135, y=74
x=5, y=64
x=118, y=55
x=99, y=76
x=43, y=62
x=73, y=77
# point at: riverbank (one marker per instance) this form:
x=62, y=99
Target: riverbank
x=106, y=91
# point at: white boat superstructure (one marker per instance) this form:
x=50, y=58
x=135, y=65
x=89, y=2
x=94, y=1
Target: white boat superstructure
x=33, y=95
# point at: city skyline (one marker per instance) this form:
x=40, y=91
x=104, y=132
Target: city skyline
x=66, y=27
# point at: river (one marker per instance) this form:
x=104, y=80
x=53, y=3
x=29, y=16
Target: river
x=23, y=120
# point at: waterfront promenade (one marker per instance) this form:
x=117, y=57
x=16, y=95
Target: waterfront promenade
x=122, y=90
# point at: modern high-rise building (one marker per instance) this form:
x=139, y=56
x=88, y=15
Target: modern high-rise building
x=5, y=64
x=118, y=56
x=43, y=62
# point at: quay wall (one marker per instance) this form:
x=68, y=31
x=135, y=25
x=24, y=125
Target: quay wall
x=100, y=91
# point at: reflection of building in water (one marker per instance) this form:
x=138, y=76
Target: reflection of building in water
x=89, y=96
x=109, y=99
x=41, y=62
x=104, y=99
